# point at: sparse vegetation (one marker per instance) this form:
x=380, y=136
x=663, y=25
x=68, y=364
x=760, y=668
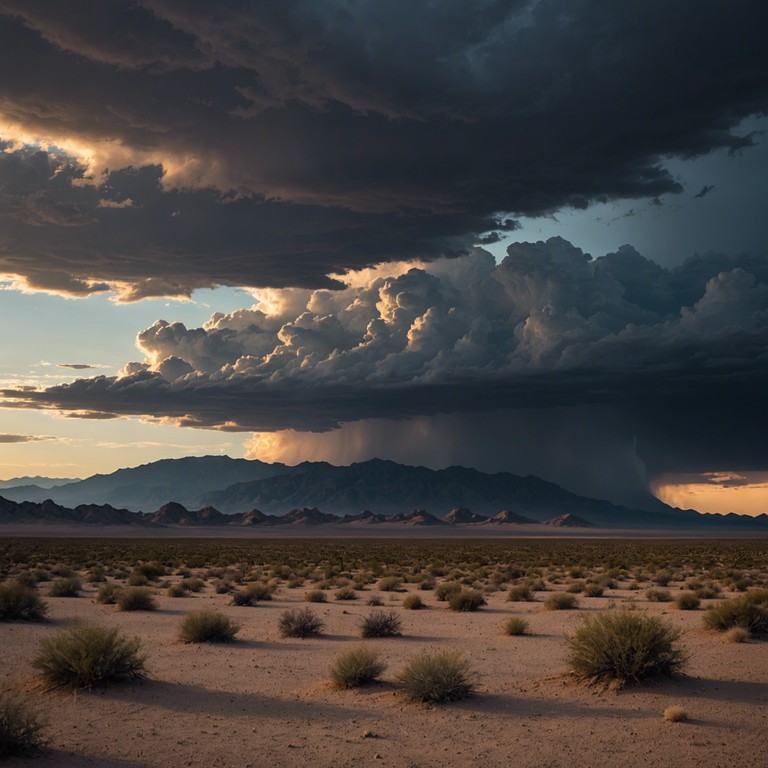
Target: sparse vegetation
x=519, y=594
x=68, y=586
x=675, y=715
x=355, y=667
x=299, y=622
x=624, y=647
x=316, y=596
x=381, y=624
x=515, y=625
x=21, y=603
x=437, y=677
x=560, y=601
x=413, y=602
x=749, y=611
x=466, y=600
x=21, y=727
x=736, y=635
x=346, y=593
x=136, y=599
x=108, y=594
x=658, y=596
x=86, y=655
x=687, y=601
x=207, y=626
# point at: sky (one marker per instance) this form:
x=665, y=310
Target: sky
x=523, y=236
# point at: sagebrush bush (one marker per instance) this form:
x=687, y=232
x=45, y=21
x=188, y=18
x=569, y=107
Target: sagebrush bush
x=519, y=594
x=381, y=624
x=390, y=584
x=749, y=611
x=193, y=585
x=515, y=625
x=20, y=603
x=86, y=655
x=346, y=593
x=437, y=677
x=355, y=667
x=243, y=597
x=299, y=622
x=413, y=602
x=108, y=594
x=207, y=626
x=560, y=601
x=444, y=590
x=176, y=590
x=316, y=596
x=136, y=599
x=466, y=600
x=687, y=601
x=67, y=587
x=374, y=600
x=658, y=595
x=624, y=647
x=21, y=727
x=593, y=590
x=259, y=590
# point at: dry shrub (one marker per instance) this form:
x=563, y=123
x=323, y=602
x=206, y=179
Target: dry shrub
x=21, y=727
x=381, y=624
x=514, y=625
x=675, y=715
x=736, y=635
x=390, y=584
x=300, y=623
x=687, y=601
x=346, y=593
x=316, y=596
x=749, y=611
x=136, y=599
x=108, y=594
x=20, y=603
x=355, y=667
x=519, y=594
x=624, y=647
x=466, y=600
x=86, y=655
x=413, y=602
x=444, y=591
x=66, y=587
x=561, y=601
x=437, y=677
x=207, y=626
x=658, y=596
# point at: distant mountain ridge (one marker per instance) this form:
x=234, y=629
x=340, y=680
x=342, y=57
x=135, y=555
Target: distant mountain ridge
x=216, y=490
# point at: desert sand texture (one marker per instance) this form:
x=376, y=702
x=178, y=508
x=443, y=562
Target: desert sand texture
x=266, y=700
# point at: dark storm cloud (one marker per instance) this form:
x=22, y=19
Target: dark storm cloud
x=679, y=356
x=274, y=143
x=77, y=366
x=704, y=191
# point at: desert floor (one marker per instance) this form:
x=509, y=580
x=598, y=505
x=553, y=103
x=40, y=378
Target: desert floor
x=266, y=701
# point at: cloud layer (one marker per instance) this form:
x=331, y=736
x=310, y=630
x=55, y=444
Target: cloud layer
x=663, y=349
x=156, y=147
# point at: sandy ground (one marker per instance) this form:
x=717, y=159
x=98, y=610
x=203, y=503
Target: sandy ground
x=265, y=701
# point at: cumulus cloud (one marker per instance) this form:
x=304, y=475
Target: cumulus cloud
x=678, y=356
x=278, y=143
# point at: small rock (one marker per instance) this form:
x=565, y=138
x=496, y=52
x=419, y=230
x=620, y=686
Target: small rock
x=369, y=735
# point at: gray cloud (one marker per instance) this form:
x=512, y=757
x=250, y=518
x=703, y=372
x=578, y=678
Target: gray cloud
x=664, y=350
x=278, y=143
x=24, y=438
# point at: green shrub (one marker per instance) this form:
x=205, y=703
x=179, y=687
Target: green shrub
x=514, y=625
x=519, y=594
x=560, y=601
x=316, y=596
x=20, y=603
x=381, y=624
x=355, y=667
x=85, y=655
x=108, y=594
x=346, y=593
x=687, y=601
x=413, y=602
x=624, y=647
x=300, y=623
x=21, y=728
x=466, y=600
x=67, y=587
x=136, y=599
x=207, y=626
x=749, y=611
x=437, y=677
x=444, y=591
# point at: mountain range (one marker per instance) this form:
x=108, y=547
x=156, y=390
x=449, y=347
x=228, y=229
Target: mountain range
x=216, y=490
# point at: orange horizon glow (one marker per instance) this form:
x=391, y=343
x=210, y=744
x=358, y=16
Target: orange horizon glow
x=745, y=493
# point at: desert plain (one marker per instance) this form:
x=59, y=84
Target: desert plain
x=267, y=700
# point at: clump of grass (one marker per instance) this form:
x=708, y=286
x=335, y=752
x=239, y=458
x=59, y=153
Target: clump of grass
x=207, y=626
x=413, y=602
x=561, y=601
x=374, y=600
x=444, y=590
x=438, y=677
x=259, y=590
x=67, y=587
x=193, y=584
x=593, y=590
x=299, y=622
x=243, y=597
x=20, y=603
x=355, y=667
x=150, y=571
x=736, y=635
x=108, y=594
x=519, y=594
x=675, y=715
x=687, y=601
x=316, y=596
x=176, y=590
x=466, y=600
x=749, y=611
x=86, y=655
x=624, y=647
x=658, y=596
x=381, y=624
x=21, y=727
x=514, y=625
x=390, y=584
x=346, y=593
x=136, y=599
